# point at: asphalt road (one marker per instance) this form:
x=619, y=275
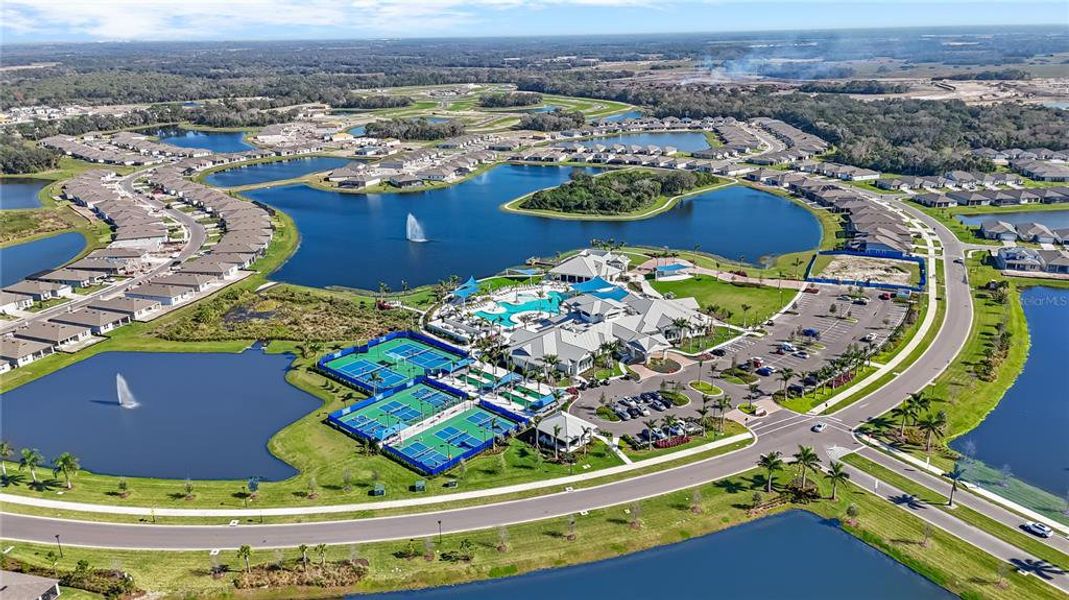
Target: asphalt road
x=197, y=237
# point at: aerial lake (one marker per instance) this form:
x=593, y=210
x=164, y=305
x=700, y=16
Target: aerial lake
x=216, y=141
x=631, y=114
x=274, y=171
x=204, y=416
x=730, y=564
x=358, y=240
x=1026, y=431
x=22, y=260
x=685, y=141
x=1055, y=219
x=21, y=192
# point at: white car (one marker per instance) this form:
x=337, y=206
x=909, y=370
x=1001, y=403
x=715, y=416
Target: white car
x=1038, y=529
x=821, y=426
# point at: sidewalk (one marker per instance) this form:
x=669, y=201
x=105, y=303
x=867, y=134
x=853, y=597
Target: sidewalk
x=562, y=482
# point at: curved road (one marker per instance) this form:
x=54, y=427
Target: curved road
x=782, y=431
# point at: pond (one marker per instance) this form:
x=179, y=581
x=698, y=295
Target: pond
x=274, y=171
x=358, y=240
x=358, y=131
x=19, y=192
x=631, y=114
x=816, y=560
x=684, y=141
x=1026, y=431
x=216, y=141
x=22, y=260
x=1055, y=219
x=204, y=416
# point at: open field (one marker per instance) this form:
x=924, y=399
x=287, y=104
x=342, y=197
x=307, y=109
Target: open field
x=760, y=302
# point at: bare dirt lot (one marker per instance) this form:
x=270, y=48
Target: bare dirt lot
x=860, y=268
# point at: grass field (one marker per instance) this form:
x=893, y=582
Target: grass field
x=763, y=301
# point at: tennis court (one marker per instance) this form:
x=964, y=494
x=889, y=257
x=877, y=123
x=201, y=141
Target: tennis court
x=392, y=362
x=460, y=436
x=391, y=415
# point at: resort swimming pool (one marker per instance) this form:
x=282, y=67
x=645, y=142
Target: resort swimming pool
x=550, y=304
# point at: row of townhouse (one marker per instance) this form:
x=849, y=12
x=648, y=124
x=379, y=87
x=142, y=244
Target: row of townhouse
x=645, y=124
x=994, y=197
x=795, y=139
x=294, y=134
x=838, y=171
x=870, y=229
x=143, y=145
x=1005, y=156
x=650, y=149
x=1028, y=260
x=134, y=224
x=1038, y=233
x=1042, y=170
x=98, y=153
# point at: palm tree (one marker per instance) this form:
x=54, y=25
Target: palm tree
x=956, y=475
x=932, y=425
x=6, y=450
x=535, y=422
x=303, y=549
x=67, y=464
x=771, y=463
x=903, y=413
x=321, y=550
x=244, y=553
x=723, y=404
x=556, y=445
x=30, y=459
x=745, y=309
x=650, y=424
x=785, y=376
x=806, y=459
x=703, y=417
x=836, y=475
x=681, y=325
x=919, y=401
x=550, y=363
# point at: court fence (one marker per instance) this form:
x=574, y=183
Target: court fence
x=334, y=419
x=325, y=369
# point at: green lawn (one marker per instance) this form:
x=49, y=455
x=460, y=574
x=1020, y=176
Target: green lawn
x=700, y=343
x=763, y=301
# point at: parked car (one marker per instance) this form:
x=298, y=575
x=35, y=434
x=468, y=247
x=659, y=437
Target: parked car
x=846, y=297
x=757, y=361
x=810, y=332
x=885, y=296
x=692, y=428
x=795, y=389
x=1038, y=529
x=677, y=429
x=861, y=301
x=801, y=354
x=787, y=346
x=719, y=352
x=765, y=371
x=868, y=337
x=656, y=405
x=623, y=414
x=809, y=380
x=634, y=412
x=820, y=426
x=645, y=412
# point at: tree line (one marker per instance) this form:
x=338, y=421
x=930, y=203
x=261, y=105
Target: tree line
x=415, y=129
x=507, y=99
x=556, y=120
x=616, y=192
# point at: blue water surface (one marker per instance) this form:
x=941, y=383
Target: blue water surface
x=1027, y=430
x=22, y=260
x=216, y=141
x=274, y=171
x=204, y=416
x=825, y=563
x=358, y=240
x=21, y=192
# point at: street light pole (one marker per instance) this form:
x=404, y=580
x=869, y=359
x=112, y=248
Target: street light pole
x=439, y=532
x=59, y=545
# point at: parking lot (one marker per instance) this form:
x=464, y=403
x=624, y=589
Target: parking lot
x=850, y=323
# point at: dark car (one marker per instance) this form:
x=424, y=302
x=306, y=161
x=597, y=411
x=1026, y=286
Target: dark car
x=810, y=332
x=719, y=352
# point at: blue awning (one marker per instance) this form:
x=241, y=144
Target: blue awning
x=466, y=289
x=592, y=285
x=614, y=293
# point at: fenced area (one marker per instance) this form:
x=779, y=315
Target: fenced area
x=384, y=418
x=391, y=361
x=439, y=448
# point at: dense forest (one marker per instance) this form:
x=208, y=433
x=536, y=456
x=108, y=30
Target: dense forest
x=17, y=156
x=507, y=99
x=373, y=101
x=992, y=75
x=918, y=137
x=870, y=86
x=415, y=129
x=616, y=192
x=557, y=120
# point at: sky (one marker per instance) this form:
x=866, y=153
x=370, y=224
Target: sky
x=29, y=21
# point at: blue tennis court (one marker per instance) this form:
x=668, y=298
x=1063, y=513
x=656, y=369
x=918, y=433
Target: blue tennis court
x=420, y=355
